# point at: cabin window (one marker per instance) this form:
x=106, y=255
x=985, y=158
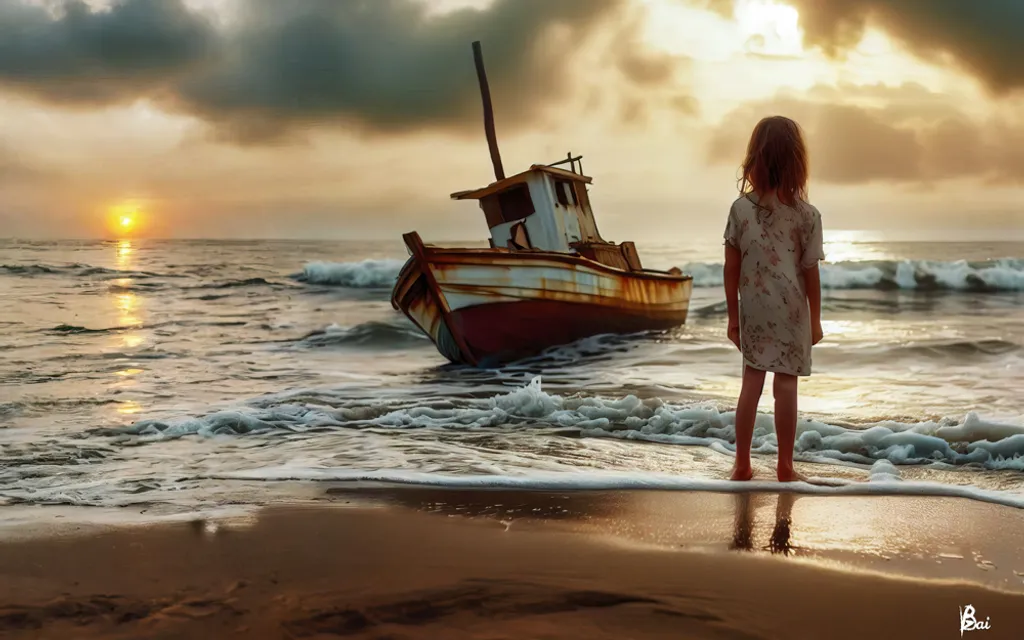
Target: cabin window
x=507, y=206
x=492, y=211
x=515, y=203
x=565, y=191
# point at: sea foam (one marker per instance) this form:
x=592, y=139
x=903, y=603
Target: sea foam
x=971, y=440
x=1006, y=274
x=365, y=274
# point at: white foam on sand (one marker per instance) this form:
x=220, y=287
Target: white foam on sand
x=525, y=438
x=971, y=440
x=883, y=480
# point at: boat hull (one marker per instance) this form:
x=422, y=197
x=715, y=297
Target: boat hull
x=484, y=307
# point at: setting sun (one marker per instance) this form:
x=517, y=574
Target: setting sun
x=124, y=218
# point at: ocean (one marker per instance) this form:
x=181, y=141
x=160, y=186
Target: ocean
x=177, y=377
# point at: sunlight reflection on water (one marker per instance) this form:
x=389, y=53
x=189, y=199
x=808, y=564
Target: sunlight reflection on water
x=127, y=303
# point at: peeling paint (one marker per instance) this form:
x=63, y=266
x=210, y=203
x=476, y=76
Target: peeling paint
x=491, y=305
x=523, y=284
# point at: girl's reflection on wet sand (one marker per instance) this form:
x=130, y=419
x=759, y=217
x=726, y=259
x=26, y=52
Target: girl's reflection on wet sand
x=743, y=531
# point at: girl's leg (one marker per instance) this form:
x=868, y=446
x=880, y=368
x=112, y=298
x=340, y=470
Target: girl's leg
x=746, y=413
x=785, y=391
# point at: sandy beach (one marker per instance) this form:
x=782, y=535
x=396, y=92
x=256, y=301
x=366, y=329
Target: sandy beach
x=410, y=563
x=447, y=319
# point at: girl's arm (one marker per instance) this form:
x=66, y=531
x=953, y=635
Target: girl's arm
x=813, y=253
x=812, y=279
x=732, y=291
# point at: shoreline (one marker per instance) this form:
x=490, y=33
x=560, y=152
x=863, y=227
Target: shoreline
x=398, y=562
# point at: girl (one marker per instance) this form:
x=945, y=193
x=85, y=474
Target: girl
x=772, y=286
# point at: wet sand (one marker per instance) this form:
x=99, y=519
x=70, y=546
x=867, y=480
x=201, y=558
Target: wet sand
x=409, y=563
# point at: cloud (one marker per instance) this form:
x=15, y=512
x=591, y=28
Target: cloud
x=647, y=69
x=389, y=66
x=16, y=170
x=650, y=75
x=685, y=104
x=640, y=65
x=379, y=66
x=858, y=135
x=78, y=55
x=982, y=37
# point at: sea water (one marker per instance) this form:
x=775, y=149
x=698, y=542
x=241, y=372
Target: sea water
x=180, y=376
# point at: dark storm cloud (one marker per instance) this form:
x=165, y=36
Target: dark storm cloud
x=377, y=65
x=78, y=55
x=387, y=65
x=982, y=36
x=895, y=143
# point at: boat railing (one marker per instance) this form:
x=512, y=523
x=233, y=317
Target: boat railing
x=571, y=162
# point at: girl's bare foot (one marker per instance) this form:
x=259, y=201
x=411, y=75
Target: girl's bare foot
x=790, y=475
x=742, y=473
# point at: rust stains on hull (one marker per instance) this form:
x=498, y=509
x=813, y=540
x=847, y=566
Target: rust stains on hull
x=483, y=306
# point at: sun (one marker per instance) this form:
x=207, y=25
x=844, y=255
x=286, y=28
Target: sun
x=771, y=28
x=124, y=218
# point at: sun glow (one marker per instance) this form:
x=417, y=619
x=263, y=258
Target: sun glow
x=771, y=28
x=124, y=218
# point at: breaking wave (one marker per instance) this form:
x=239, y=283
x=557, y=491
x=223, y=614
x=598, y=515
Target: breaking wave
x=1005, y=274
x=366, y=274
x=971, y=440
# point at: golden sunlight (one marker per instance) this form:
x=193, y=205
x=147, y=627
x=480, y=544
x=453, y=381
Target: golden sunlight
x=124, y=218
x=770, y=28
x=124, y=253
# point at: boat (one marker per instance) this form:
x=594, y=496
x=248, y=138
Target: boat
x=548, y=278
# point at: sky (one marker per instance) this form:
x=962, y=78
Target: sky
x=355, y=119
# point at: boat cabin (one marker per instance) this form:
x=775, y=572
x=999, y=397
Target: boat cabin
x=546, y=208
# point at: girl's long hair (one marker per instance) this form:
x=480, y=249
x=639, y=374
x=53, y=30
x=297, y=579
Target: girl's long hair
x=776, y=161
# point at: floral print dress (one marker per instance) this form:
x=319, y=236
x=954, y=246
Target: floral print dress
x=777, y=242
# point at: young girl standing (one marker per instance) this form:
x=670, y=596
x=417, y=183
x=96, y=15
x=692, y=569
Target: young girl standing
x=773, y=245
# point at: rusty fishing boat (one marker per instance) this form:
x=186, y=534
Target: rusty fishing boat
x=548, y=278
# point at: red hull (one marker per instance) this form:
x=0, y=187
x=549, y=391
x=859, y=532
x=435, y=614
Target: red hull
x=512, y=330
x=484, y=307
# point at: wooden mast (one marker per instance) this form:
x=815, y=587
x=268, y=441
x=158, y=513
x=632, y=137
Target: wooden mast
x=485, y=93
